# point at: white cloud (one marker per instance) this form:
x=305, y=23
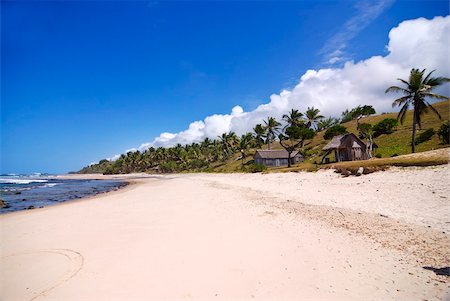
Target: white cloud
x=366, y=12
x=418, y=43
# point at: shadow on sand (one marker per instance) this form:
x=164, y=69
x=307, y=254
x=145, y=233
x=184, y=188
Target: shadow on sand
x=439, y=271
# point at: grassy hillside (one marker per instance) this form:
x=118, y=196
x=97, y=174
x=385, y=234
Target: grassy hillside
x=397, y=143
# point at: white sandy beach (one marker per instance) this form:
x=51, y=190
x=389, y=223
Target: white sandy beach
x=290, y=236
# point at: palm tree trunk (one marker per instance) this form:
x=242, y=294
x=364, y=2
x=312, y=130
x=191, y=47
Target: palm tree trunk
x=268, y=143
x=289, y=159
x=413, y=138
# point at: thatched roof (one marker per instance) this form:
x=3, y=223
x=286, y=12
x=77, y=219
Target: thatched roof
x=344, y=141
x=275, y=154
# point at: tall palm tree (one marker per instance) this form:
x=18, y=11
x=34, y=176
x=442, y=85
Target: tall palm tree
x=244, y=144
x=293, y=118
x=415, y=91
x=259, y=132
x=272, y=126
x=312, y=116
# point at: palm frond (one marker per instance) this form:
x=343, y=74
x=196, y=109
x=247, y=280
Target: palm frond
x=402, y=113
x=403, y=81
x=397, y=89
x=435, y=96
x=428, y=76
x=436, y=81
x=434, y=110
x=401, y=100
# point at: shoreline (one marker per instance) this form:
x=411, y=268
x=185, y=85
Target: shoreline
x=127, y=184
x=233, y=236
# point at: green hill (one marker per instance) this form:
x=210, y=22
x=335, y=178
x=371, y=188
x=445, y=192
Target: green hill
x=397, y=143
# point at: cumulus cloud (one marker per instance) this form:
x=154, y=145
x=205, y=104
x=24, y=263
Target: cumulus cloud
x=418, y=43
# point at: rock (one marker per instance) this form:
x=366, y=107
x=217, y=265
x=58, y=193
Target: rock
x=2, y=203
x=18, y=192
x=360, y=171
x=346, y=173
x=30, y=207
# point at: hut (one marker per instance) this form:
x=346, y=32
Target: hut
x=347, y=147
x=276, y=157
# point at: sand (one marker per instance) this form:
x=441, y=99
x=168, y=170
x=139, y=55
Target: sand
x=290, y=236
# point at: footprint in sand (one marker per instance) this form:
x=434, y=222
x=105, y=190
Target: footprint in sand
x=33, y=274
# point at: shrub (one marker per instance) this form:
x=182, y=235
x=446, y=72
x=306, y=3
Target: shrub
x=197, y=163
x=169, y=166
x=334, y=131
x=378, y=156
x=255, y=168
x=444, y=132
x=385, y=126
x=394, y=155
x=425, y=136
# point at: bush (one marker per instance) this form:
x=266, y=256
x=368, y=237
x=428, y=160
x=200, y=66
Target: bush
x=255, y=168
x=394, y=155
x=334, y=131
x=197, y=163
x=169, y=166
x=425, y=136
x=378, y=156
x=385, y=126
x=444, y=132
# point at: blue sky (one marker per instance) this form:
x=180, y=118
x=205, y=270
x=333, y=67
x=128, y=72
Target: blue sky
x=84, y=80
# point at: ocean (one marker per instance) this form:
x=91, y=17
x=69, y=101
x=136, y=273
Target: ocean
x=25, y=192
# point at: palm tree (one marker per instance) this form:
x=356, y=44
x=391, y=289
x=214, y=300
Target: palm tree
x=416, y=89
x=272, y=126
x=293, y=118
x=244, y=144
x=324, y=124
x=229, y=141
x=259, y=132
x=312, y=116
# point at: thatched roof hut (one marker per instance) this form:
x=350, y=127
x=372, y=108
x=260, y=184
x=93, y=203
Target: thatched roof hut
x=347, y=147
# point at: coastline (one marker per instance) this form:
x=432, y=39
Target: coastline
x=228, y=236
x=126, y=183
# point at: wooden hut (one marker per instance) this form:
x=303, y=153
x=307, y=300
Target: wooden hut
x=276, y=157
x=347, y=147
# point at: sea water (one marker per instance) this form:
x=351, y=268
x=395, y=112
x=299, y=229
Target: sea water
x=21, y=192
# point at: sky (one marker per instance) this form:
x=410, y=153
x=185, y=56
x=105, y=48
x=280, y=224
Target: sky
x=87, y=80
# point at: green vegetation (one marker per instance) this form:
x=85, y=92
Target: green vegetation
x=334, y=131
x=385, y=126
x=425, y=136
x=366, y=131
x=444, y=132
x=293, y=137
x=357, y=113
x=415, y=92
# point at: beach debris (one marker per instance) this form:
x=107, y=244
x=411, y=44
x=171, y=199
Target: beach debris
x=382, y=215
